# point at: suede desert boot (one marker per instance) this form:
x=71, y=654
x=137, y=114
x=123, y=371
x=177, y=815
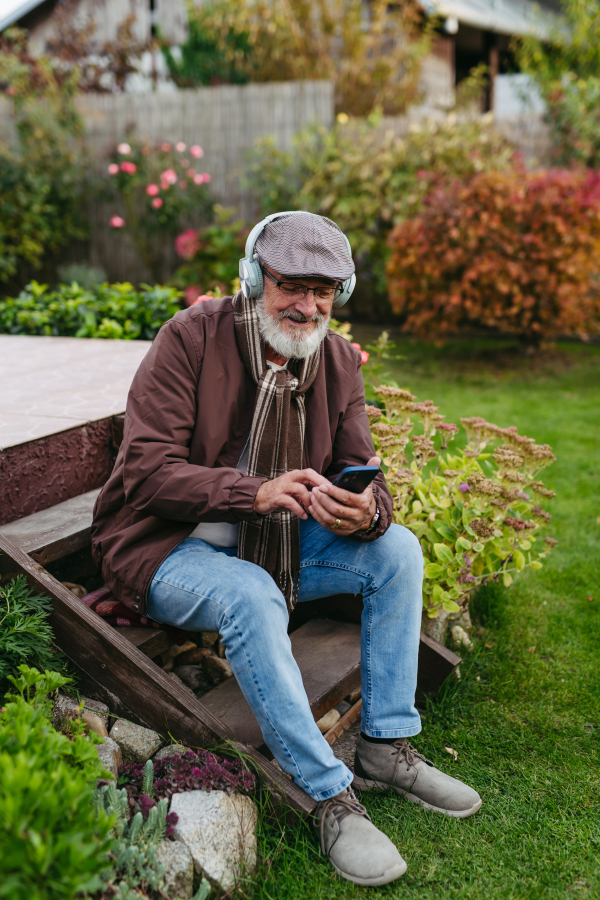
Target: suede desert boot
x=397, y=765
x=357, y=850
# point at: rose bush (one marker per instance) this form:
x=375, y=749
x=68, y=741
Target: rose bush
x=159, y=189
x=516, y=251
x=476, y=511
x=211, y=255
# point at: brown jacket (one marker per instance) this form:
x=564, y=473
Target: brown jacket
x=189, y=413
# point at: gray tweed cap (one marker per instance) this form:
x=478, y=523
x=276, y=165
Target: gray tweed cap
x=305, y=244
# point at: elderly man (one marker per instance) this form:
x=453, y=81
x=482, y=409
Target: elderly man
x=221, y=514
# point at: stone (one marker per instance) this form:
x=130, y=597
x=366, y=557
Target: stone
x=101, y=709
x=460, y=637
x=169, y=665
x=193, y=676
x=219, y=830
x=194, y=657
x=181, y=683
x=137, y=744
x=209, y=638
x=354, y=696
x=328, y=720
x=343, y=707
x=178, y=649
x=110, y=756
x=171, y=750
x=179, y=869
x=65, y=708
x=77, y=589
x=94, y=723
x=218, y=670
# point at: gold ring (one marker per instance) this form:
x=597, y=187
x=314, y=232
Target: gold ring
x=337, y=523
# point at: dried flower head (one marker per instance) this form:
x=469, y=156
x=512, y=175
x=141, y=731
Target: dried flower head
x=540, y=489
x=448, y=427
x=424, y=449
x=482, y=528
x=485, y=486
x=552, y=542
x=394, y=398
x=402, y=477
x=450, y=473
x=506, y=457
x=519, y=524
x=373, y=413
x=538, y=513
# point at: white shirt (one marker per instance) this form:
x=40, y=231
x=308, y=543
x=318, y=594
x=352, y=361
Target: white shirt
x=224, y=534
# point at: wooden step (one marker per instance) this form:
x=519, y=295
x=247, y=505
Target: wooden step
x=151, y=641
x=55, y=532
x=328, y=655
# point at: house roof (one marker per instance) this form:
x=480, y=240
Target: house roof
x=13, y=10
x=502, y=16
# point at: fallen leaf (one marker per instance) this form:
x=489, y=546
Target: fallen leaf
x=488, y=645
x=452, y=752
x=531, y=650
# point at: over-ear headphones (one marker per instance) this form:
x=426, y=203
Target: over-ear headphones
x=251, y=276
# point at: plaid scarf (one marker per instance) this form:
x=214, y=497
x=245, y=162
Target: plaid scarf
x=276, y=447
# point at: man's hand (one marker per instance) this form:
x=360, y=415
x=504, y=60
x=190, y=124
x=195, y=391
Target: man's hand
x=355, y=511
x=289, y=491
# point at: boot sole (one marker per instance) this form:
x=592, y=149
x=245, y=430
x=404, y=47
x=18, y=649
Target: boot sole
x=390, y=875
x=365, y=784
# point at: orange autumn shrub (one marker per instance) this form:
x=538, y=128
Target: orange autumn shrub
x=516, y=251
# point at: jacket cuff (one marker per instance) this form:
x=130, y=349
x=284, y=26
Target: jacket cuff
x=384, y=521
x=242, y=496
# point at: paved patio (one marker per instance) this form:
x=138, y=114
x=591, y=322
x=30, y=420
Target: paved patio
x=51, y=384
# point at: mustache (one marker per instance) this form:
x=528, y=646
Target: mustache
x=297, y=316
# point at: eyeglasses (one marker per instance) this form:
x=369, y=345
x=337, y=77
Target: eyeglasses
x=292, y=289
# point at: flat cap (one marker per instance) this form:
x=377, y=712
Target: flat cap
x=305, y=244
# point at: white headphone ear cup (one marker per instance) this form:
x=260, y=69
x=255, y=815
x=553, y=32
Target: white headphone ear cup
x=251, y=278
x=346, y=292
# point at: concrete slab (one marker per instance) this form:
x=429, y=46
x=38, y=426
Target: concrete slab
x=51, y=384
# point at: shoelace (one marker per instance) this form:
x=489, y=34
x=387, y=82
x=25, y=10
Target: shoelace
x=339, y=807
x=411, y=756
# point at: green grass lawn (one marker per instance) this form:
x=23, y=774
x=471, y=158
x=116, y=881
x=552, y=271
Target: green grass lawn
x=525, y=717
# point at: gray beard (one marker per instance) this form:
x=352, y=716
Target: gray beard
x=283, y=344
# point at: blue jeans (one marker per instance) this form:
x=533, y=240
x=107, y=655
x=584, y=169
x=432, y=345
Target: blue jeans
x=204, y=588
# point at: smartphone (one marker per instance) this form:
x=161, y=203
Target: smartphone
x=356, y=478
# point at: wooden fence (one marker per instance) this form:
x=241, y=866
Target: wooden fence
x=226, y=121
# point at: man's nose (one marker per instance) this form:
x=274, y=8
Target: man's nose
x=307, y=305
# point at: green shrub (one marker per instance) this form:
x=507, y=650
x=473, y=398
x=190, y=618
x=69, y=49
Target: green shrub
x=211, y=255
x=104, y=311
x=475, y=511
x=42, y=174
x=367, y=178
x=565, y=69
x=25, y=635
x=53, y=843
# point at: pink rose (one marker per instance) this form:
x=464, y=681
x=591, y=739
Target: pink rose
x=183, y=183
x=113, y=169
x=169, y=175
x=196, y=151
x=191, y=173
x=157, y=202
x=185, y=163
x=123, y=149
x=165, y=147
x=129, y=167
x=205, y=177
x=187, y=243
x=180, y=147
x=201, y=299
x=364, y=357
x=191, y=294
x=198, y=179
x=152, y=190
x=116, y=222
x=356, y=346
